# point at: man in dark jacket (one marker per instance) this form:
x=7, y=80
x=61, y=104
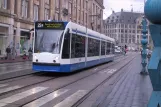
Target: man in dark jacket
x=8, y=51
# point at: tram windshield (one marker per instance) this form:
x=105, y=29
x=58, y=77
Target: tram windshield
x=48, y=41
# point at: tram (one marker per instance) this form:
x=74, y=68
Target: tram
x=67, y=47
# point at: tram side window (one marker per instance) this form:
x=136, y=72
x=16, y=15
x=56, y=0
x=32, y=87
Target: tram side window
x=93, y=47
x=103, y=48
x=108, y=48
x=66, y=46
x=78, y=46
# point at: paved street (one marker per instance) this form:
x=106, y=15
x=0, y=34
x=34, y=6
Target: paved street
x=9, y=70
x=115, y=84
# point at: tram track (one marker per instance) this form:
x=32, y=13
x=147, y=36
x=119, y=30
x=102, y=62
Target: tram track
x=24, y=76
x=102, y=67
x=103, y=82
x=81, y=79
x=13, y=64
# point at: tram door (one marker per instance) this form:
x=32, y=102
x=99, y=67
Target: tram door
x=77, y=52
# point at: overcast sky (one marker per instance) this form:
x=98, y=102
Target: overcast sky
x=117, y=5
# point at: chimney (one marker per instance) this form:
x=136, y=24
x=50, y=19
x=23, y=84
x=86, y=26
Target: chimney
x=122, y=10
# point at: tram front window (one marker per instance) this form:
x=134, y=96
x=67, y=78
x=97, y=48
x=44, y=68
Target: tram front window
x=48, y=41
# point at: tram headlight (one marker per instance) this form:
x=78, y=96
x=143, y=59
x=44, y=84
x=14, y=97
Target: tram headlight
x=35, y=57
x=57, y=57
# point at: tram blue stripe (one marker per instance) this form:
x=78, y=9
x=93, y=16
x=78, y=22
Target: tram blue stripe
x=77, y=31
x=70, y=67
x=93, y=36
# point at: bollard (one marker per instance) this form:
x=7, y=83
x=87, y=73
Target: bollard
x=153, y=14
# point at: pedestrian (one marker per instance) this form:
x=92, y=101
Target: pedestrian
x=25, y=53
x=8, y=51
x=30, y=53
x=13, y=53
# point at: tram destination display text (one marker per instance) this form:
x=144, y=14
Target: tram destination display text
x=49, y=25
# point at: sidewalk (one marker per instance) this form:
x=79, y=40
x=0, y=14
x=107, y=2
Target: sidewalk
x=17, y=59
x=127, y=88
x=131, y=90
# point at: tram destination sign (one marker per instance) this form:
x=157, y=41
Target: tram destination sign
x=50, y=25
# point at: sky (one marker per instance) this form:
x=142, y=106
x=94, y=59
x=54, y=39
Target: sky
x=117, y=5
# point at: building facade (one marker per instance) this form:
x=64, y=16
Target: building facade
x=125, y=28
x=17, y=18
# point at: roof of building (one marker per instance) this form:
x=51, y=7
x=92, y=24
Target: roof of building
x=123, y=17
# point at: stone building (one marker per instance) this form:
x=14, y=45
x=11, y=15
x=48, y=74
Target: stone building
x=125, y=28
x=17, y=18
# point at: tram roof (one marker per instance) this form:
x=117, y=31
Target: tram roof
x=89, y=31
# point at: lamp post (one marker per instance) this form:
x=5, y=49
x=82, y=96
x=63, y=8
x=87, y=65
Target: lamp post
x=153, y=14
x=144, y=45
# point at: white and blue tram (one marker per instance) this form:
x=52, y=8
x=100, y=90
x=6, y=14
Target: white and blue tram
x=67, y=47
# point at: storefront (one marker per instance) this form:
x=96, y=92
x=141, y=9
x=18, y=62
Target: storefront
x=3, y=40
x=24, y=41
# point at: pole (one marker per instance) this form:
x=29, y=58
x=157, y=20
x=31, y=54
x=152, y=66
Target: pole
x=144, y=46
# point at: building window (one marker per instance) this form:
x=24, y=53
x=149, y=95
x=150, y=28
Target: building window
x=86, y=18
x=15, y=8
x=125, y=40
x=24, y=8
x=46, y=14
x=122, y=31
x=133, y=39
x=122, y=25
x=86, y=5
x=3, y=4
x=70, y=8
x=57, y=3
x=36, y=12
x=125, y=26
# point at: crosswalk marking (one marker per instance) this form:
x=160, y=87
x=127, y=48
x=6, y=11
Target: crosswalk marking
x=3, y=85
x=43, y=100
x=69, y=101
x=9, y=89
x=21, y=95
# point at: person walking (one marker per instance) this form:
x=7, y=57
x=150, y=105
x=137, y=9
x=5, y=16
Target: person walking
x=25, y=53
x=125, y=50
x=8, y=51
x=30, y=53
